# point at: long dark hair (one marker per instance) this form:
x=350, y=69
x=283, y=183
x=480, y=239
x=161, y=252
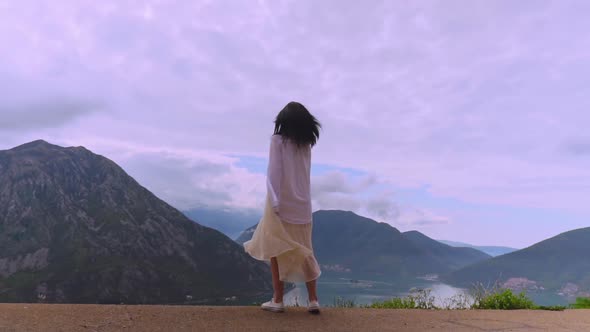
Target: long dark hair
x=294, y=122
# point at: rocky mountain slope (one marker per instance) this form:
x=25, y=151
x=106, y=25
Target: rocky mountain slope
x=74, y=227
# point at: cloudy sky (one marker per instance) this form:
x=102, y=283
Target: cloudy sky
x=466, y=120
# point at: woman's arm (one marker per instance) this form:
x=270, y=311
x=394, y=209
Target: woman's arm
x=275, y=171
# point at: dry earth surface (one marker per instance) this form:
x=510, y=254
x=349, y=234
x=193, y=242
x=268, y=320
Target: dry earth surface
x=40, y=317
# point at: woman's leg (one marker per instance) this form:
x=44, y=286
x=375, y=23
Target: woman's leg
x=312, y=290
x=277, y=284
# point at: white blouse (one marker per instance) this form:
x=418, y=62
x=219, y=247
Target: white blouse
x=288, y=180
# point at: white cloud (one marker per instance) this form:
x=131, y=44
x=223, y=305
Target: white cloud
x=339, y=182
x=412, y=218
x=364, y=195
x=188, y=179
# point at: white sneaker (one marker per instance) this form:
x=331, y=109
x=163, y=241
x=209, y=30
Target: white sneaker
x=273, y=306
x=313, y=307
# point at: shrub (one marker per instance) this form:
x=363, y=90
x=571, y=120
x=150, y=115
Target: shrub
x=460, y=301
x=551, y=308
x=504, y=300
x=422, y=298
x=395, y=303
x=581, y=303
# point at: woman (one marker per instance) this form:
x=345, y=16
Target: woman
x=283, y=235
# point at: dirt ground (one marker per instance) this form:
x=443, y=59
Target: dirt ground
x=39, y=317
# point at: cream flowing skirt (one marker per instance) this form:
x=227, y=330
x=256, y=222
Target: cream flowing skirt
x=289, y=243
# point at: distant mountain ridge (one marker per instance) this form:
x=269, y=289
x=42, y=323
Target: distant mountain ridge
x=348, y=243
x=453, y=257
x=558, y=263
x=230, y=222
x=490, y=250
x=75, y=228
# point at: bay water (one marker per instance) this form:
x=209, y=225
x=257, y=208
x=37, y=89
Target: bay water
x=366, y=292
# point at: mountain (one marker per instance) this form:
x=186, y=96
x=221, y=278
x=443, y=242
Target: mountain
x=347, y=243
x=490, y=250
x=246, y=235
x=556, y=263
x=75, y=228
x=450, y=256
x=229, y=222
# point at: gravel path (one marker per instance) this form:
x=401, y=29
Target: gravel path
x=39, y=317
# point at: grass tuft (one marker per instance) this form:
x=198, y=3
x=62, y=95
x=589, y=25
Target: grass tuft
x=344, y=303
x=418, y=299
